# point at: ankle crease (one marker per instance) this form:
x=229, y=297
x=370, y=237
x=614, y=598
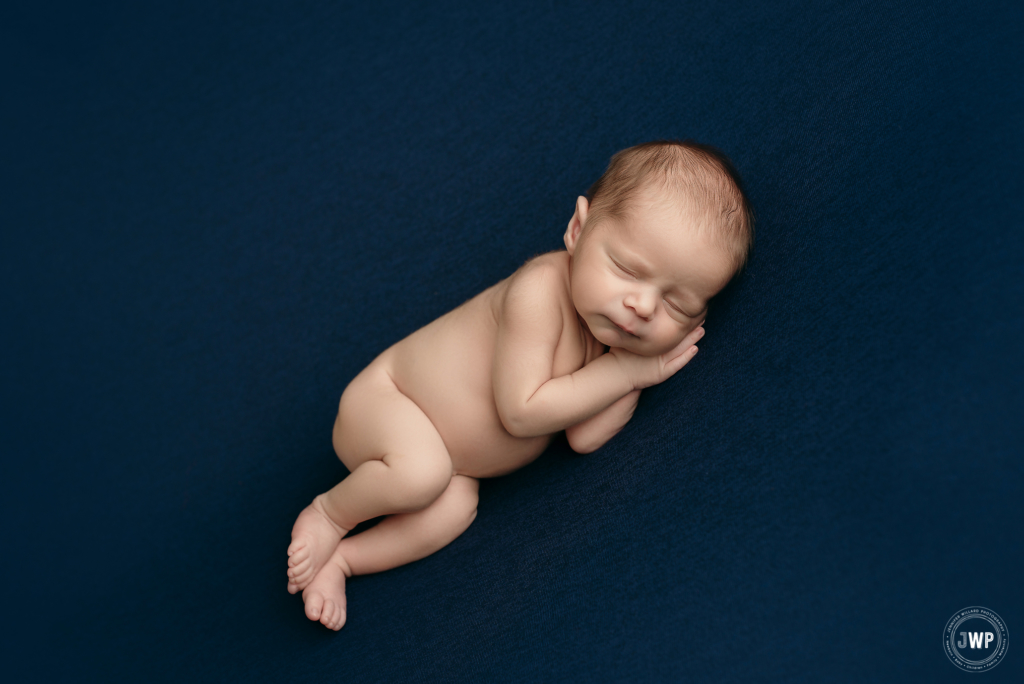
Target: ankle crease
x=327, y=514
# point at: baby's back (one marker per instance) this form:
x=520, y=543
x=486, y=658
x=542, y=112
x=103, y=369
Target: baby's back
x=446, y=366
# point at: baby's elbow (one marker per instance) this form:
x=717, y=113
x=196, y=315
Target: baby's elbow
x=513, y=423
x=579, y=443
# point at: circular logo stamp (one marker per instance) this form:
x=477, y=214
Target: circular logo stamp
x=975, y=639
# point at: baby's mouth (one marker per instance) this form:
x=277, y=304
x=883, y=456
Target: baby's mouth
x=625, y=330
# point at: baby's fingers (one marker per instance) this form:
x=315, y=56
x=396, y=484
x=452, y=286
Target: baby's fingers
x=673, y=366
x=684, y=351
x=683, y=347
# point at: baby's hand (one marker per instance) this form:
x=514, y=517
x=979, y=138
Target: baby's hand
x=644, y=371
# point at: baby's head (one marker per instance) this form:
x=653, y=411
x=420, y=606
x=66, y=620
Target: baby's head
x=663, y=230
x=698, y=177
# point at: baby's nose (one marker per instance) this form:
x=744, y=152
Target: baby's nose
x=643, y=304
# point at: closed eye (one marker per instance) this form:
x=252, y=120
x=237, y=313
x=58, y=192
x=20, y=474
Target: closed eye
x=624, y=270
x=678, y=309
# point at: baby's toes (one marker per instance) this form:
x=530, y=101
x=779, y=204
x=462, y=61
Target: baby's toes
x=293, y=588
x=327, y=614
x=299, y=568
x=300, y=555
x=303, y=579
x=314, y=605
x=339, y=619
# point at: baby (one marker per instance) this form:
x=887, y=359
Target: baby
x=565, y=343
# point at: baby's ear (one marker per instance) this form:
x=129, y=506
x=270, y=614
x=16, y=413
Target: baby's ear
x=576, y=223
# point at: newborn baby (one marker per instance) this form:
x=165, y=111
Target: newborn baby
x=565, y=343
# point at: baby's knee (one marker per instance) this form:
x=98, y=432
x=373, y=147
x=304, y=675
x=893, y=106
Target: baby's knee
x=336, y=435
x=418, y=482
x=465, y=492
x=454, y=511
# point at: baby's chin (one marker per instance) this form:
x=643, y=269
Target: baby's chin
x=633, y=344
x=611, y=336
x=642, y=347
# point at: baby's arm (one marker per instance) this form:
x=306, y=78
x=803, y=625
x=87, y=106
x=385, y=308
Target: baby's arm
x=530, y=402
x=591, y=434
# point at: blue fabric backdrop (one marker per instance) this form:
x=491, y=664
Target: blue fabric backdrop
x=215, y=215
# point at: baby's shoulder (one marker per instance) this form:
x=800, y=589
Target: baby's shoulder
x=542, y=276
x=539, y=287
x=548, y=265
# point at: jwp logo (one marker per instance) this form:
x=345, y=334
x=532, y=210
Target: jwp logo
x=975, y=639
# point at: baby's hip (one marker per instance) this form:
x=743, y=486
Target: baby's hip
x=384, y=409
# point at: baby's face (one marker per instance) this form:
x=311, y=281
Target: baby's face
x=643, y=284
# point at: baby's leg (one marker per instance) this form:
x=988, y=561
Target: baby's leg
x=398, y=464
x=404, y=538
x=395, y=541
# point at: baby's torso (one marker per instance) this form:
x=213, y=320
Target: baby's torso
x=445, y=368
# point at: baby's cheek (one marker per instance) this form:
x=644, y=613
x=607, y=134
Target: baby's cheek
x=678, y=334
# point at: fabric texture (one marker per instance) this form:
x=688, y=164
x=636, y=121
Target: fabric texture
x=214, y=216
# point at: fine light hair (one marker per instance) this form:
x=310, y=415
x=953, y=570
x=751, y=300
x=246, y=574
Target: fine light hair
x=700, y=176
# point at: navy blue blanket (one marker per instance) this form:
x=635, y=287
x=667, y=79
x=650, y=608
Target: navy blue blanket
x=213, y=217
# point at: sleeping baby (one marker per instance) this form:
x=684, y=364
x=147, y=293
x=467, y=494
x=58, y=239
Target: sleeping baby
x=565, y=343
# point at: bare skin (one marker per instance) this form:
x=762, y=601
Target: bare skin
x=567, y=342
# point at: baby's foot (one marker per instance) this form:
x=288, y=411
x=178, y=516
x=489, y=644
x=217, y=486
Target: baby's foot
x=314, y=538
x=325, y=596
